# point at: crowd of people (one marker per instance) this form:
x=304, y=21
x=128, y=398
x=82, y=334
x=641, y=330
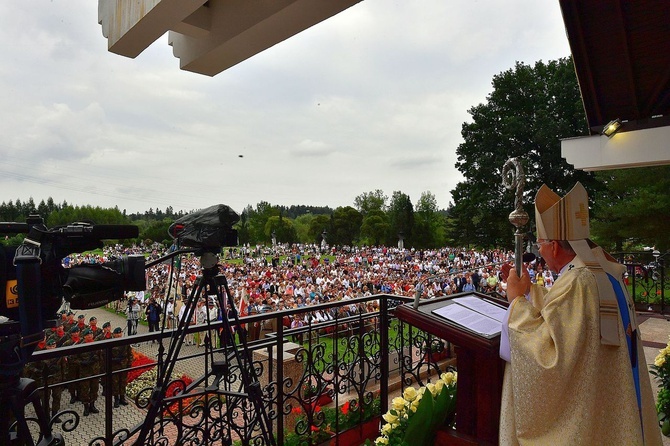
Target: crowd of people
x=283, y=277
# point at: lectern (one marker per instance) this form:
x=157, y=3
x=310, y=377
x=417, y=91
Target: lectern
x=480, y=371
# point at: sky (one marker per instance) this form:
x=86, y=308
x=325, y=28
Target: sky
x=372, y=98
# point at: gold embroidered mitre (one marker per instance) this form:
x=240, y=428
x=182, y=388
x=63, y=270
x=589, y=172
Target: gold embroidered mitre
x=567, y=218
x=564, y=218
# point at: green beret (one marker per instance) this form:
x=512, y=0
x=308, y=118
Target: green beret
x=74, y=329
x=81, y=316
x=51, y=341
x=106, y=324
x=93, y=318
x=87, y=331
x=118, y=330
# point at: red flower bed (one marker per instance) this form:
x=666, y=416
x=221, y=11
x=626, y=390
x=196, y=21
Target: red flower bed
x=139, y=359
x=176, y=388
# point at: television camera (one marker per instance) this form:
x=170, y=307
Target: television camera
x=33, y=280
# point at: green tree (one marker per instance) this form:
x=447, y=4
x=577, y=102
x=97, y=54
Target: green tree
x=97, y=215
x=374, y=228
x=529, y=110
x=157, y=231
x=257, y=221
x=301, y=225
x=319, y=224
x=428, y=223
x=242, y=226
x=283, y=229
x=401, y=218
x=371, y=201
x=634, y=209
x=346, y=226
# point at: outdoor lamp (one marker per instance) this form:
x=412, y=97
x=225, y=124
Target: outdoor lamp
x=612, y=127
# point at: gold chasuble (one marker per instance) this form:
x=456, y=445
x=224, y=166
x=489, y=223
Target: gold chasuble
x=563, y=385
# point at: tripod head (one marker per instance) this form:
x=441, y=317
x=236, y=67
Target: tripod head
x=208, y=229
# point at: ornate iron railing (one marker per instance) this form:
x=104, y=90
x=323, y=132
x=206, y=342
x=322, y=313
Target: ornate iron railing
x=308, y=377
x=646, y=278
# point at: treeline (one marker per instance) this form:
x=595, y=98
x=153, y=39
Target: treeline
x=374, y=219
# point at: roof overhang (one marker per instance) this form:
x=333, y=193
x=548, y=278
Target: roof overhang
x=621, y=52
x=209, y=36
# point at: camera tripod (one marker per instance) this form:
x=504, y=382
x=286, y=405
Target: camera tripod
x=248, y=394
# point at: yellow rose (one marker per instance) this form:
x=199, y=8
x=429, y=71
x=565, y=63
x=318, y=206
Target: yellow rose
x=659, y=361
x=449, y=378
x=390, y=418
x=431, y=388
x=410, y=394
x=386, y=429
x=381, y=440
x=398, y=403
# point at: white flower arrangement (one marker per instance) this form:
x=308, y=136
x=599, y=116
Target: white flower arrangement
x=432, y=405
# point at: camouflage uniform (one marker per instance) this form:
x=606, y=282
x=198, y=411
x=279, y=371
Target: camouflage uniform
x=122, y=358
x=55, y=371
x=35, y=370
x=72, y=370
x=89, y=363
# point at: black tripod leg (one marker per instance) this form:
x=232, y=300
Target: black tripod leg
x=250, y=383
x=166, y=366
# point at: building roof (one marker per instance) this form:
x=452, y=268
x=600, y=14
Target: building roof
x=621, y=51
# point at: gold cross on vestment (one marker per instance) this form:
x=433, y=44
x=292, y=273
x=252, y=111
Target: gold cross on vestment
x=582, y=214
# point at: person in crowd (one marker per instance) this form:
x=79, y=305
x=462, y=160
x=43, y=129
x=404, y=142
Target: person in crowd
x=153, y=313
x=170, y=313
x=133, y=315
x=188, y=339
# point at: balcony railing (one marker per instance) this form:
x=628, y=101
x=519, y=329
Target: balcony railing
x=316, y=381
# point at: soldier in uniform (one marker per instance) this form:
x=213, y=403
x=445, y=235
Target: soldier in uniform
x=89, y=363
x=72, y=364
x=81, y=322
x=55, y=372
x=69, y=322
x=57, y=334
x=35, y=370
x=122, y=358
x=106, y=332
x=93, y=326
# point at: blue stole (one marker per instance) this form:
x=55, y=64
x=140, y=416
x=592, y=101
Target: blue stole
x=631, y=338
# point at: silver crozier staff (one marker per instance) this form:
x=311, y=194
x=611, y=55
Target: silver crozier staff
x=515, y=180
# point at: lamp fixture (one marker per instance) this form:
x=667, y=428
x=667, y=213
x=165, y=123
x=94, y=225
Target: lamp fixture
x=612, y=127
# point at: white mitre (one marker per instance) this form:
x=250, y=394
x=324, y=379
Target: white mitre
x=567, y=219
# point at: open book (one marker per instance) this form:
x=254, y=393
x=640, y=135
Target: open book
x=475, y=314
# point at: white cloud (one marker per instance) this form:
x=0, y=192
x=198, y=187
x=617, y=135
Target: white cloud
x=372, y=98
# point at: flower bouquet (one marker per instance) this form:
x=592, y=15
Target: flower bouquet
x=414, y=418
x=661, y=370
